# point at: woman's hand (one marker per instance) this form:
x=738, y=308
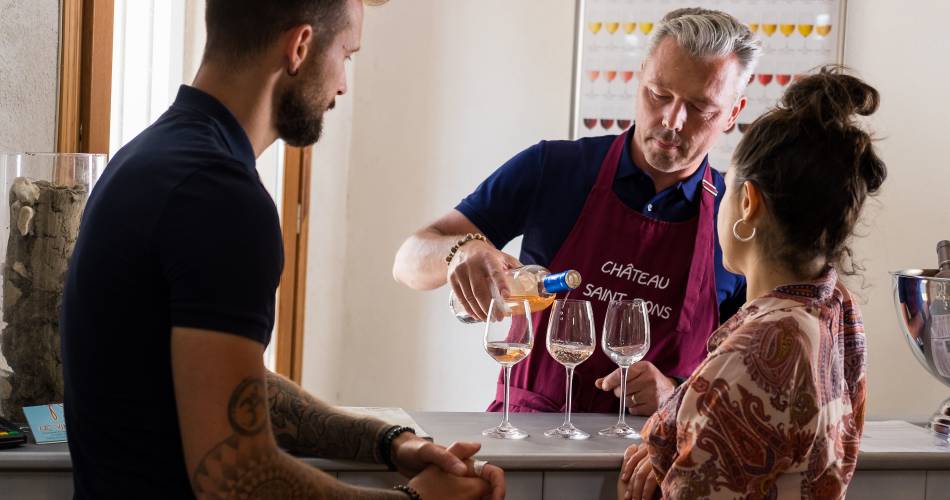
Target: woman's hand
x=637, y=480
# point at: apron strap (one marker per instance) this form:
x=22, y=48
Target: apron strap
x=701, y=274
x=608, y=169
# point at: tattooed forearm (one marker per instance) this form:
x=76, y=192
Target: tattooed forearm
x=247, y=465
x=305, y=425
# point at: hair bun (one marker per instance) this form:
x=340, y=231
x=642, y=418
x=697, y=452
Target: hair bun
x=815, y=167
x=831, y=97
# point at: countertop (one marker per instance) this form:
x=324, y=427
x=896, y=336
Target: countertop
x=886, y=445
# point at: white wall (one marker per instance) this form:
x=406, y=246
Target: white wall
x=446, y=91
x=29, y=72
x=902, y=50
x=29, y=78
x=324, y=328
x=157, y=46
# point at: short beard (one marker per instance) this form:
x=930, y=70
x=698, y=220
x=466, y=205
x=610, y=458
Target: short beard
x=299, y=119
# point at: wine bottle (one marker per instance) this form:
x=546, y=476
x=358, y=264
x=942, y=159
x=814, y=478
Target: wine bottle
x=533, y=284
x=943, y=259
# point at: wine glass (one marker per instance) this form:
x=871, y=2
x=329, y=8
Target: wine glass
x=610, y=76
x=626, y=76
x=806, y=27
x=626, y=340
x=570, y=341
x=592, y=76
x=786, y=29
x=646, y=27
x=509, y=336
x=823, y=30
x=768, y=29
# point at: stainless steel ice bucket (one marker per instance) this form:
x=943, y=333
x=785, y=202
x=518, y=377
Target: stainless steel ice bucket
x=923, y=312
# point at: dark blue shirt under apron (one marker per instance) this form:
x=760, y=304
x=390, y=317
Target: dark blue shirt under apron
x=541, y=191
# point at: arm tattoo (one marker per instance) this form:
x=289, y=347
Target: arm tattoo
x=306, y=426
x=245, y=411
x=246, y=465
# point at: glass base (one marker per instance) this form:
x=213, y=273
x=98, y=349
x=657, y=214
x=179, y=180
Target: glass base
x=620, y=431
x=505, y=431
x=567, y=431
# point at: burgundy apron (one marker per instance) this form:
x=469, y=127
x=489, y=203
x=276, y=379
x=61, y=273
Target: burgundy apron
x=622, y=254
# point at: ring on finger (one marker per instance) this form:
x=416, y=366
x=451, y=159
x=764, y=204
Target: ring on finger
x=479, y=466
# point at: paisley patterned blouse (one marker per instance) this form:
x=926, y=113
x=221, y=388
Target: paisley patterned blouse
x=777, y=408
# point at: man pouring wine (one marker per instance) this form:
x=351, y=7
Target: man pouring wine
x=634, y=214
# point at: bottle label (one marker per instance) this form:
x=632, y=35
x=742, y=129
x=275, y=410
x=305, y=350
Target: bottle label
x=561, y=282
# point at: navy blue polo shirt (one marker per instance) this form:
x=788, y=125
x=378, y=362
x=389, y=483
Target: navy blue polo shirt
x=179, y=231
x=541, y=191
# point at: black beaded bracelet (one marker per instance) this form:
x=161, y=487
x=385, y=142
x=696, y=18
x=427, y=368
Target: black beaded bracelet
x=455, y=248
x=411, y=493
x=386, y=444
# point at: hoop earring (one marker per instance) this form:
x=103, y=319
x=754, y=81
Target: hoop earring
x=735, y=232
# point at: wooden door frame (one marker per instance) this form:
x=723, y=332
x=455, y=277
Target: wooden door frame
x=295, y=219
x=85, y=69
x=83, y=126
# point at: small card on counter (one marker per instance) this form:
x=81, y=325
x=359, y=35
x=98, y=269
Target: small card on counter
x=392, y=415
x=47, y=423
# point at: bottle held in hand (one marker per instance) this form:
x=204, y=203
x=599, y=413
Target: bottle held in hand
x=533, y=284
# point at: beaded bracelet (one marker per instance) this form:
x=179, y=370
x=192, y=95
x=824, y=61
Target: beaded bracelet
x=411, y=493
x=455, y=248
x=386, y=444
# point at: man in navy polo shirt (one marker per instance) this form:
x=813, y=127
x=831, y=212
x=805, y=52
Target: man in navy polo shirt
x=169, y=301
x=634, y=213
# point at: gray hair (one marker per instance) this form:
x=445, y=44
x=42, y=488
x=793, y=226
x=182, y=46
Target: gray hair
x=710, y=33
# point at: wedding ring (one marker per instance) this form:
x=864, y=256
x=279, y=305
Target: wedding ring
x=633, y=399
x=479, y=465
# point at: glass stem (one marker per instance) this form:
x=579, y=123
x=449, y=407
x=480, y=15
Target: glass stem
x=507, y=370
x=569, y=387
x=623, y=394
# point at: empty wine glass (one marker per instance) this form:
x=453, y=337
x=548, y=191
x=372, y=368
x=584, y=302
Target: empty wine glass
x=570, y=341
x=509, y=336
x=626, y=340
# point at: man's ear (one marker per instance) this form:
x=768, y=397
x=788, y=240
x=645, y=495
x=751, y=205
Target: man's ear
x=296, y=47
x=737, y=108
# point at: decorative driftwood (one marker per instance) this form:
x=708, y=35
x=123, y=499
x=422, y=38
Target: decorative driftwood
x=44, y=224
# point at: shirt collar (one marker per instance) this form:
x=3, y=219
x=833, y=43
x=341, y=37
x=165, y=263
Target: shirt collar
x=808, y=294
x=805, y=294
x=689, y=187
x=195, y=100
x=818, y=290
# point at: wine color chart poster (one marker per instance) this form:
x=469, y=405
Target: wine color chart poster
x=612, y=37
